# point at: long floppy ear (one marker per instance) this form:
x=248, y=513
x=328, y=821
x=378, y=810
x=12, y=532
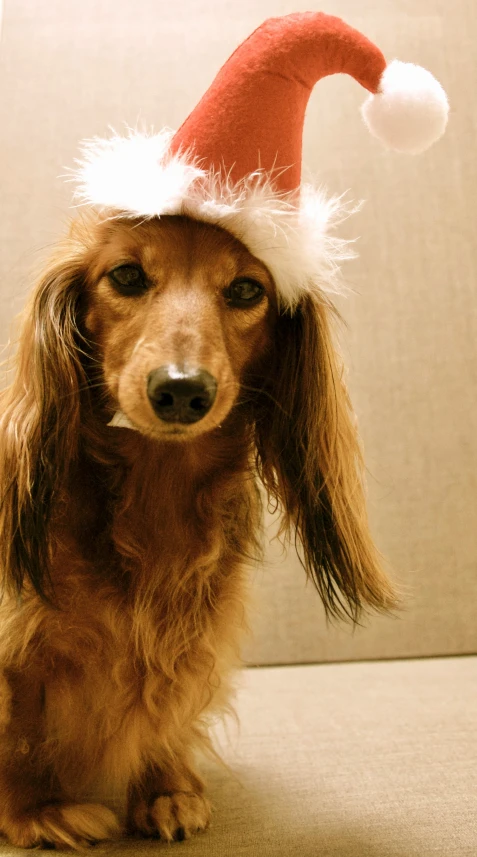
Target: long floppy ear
x=310, y=461
x=39, y=420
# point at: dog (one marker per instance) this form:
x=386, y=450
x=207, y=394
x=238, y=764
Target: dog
x=156, y=379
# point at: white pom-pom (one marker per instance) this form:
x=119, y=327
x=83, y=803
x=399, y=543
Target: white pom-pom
x=409, y=113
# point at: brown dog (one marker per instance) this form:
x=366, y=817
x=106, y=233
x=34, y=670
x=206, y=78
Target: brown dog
x=123, y=549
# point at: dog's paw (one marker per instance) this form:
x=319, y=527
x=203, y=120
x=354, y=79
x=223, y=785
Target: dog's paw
x=68, y=825
x=172, y=817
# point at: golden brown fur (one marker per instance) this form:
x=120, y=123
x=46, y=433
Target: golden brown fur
x=122, y=552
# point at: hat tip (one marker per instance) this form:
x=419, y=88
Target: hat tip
x=410, y=110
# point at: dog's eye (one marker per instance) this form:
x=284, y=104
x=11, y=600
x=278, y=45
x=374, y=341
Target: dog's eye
x=128, y=279
x=244, y=293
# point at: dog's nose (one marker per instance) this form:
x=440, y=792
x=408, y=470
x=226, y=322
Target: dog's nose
x=179, y=395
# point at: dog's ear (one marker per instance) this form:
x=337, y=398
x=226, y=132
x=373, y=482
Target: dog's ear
x=39, y=423
x=310, y=460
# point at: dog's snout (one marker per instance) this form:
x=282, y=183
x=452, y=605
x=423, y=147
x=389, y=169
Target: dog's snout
x=179, y=395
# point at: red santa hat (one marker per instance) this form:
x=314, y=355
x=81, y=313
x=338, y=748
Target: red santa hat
x=236, y=160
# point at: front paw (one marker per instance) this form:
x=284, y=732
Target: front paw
x=172, y=817
x=68, y=825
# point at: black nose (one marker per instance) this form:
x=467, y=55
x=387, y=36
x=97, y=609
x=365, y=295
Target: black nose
x=179, y=395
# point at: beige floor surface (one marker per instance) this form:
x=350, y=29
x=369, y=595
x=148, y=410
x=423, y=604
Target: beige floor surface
x=374, y=759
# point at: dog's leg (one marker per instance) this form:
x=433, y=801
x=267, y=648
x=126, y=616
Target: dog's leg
x=34, y=811
x=168, y=803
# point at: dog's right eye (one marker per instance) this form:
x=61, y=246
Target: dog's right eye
x=128, y=280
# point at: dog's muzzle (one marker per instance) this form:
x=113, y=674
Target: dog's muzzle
x=181, y=395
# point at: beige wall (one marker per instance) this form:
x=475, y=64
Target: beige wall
x=68, y=70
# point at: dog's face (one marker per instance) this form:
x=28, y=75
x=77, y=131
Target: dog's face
x=177, y=310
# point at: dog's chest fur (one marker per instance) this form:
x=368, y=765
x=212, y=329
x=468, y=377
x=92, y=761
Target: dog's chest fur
x=151, y=611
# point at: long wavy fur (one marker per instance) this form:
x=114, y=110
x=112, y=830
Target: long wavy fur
x=123, y=557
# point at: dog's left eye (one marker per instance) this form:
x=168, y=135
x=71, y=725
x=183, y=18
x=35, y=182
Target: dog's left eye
x=128, y=279
x=244, y=293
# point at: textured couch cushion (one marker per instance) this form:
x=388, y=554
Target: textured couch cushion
x=352, y=760
x=344, y=760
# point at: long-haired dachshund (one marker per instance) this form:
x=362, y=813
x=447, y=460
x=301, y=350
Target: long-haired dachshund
x=178, y=348
x=123, y=546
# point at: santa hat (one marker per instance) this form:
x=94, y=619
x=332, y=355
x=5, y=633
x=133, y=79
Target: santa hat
x=236, y=160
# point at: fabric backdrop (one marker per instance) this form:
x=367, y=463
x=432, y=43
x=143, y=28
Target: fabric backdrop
x=70, y=70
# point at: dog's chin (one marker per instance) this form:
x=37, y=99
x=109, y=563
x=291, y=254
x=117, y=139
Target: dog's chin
x=162, y=431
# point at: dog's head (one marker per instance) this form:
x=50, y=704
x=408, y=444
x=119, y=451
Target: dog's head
x=170, y=327
x=177, y=311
